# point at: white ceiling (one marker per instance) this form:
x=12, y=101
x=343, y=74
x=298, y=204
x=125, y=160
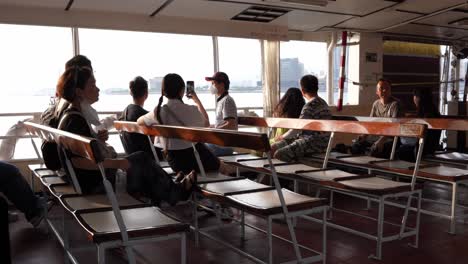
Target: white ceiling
x=355, y=15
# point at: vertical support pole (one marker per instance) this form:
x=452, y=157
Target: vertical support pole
x=66, y=242
x=324, y=236
x=329, y=147
x=394, y=145
x=76, y=41
x=418, y=219
x=380, y=227
x=242, y=225
x=270, y=242
x=101, y=254
x=155, y=155
x=183, y=248
x=453, y=217
x=330, y=213
x=195, y=219
x=344, y=39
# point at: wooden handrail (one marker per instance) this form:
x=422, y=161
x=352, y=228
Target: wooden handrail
x=340, y=126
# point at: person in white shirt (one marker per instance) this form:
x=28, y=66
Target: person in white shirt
x=226, y=109
x=175, y=112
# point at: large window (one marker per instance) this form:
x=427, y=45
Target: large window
x=120, y=56
x=241, y=60
x=31, y=61
x=298, y=58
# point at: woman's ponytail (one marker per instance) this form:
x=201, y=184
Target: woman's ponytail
x=158, y=109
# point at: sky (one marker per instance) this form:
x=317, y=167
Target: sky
x=33, y=57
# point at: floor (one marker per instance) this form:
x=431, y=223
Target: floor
x=29, y=245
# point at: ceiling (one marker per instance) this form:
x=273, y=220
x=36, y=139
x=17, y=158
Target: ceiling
x=428, y=19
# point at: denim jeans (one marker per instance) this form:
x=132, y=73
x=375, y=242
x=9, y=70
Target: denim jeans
x=220, y=151
x=16, y=189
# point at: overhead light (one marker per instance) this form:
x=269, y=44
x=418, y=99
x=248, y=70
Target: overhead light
x=301, y=2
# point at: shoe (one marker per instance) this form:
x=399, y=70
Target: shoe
x=189, y=181
x=179, y=177
x=12, y=217
x=41, y=210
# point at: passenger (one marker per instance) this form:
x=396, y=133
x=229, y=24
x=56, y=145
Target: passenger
x=296, y=144
x=226, y=110
x=289, y=106
x=180, y=154
x=16, y=189
x=77, y=85
x=134, y=141
x=425, y=108
x=78, y=61
x=385, y=106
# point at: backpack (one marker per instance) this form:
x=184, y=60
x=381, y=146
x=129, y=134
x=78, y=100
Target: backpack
x=51, y=117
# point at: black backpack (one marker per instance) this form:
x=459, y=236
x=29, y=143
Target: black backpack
x=51, y=117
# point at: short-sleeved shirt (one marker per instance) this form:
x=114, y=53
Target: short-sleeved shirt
x=175, y=113
x=135, y=141
x=225, y=109
x=390, y=109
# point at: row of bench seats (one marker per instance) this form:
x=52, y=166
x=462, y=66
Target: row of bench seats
x=273, y=202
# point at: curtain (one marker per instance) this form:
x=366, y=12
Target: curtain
x=271, y=73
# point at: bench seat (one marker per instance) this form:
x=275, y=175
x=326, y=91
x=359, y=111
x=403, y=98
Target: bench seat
x=267, y=203
x=233, y=187
x=148, y=221
x=374, y=185
x=326, y=175
x=80, y=202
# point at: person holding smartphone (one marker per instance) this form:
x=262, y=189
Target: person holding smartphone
x=226, y=109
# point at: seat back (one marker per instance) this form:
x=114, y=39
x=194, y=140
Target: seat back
x=86, y=148
x=392, y=129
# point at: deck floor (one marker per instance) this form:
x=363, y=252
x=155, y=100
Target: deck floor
x=29, y=245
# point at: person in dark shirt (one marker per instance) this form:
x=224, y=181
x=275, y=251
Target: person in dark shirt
x=134, y=142
x=144, y=176
x=425, y=108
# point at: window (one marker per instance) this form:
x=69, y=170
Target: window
x=32, y=59
x=240, y=59
x=298, y=58
x=120, y=56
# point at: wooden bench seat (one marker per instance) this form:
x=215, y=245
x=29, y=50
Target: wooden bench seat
x=226, y=188
x=326, y=175
x=120, y=220
x=235, y=158
x=295, y=168
x=363, y=160
x=80, y=202
x=267, y=203
x=140, y=222
x=375, y=185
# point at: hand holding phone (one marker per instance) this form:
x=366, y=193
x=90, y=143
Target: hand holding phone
x=190, y=89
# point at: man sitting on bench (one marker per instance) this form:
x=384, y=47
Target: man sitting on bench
x=385, y=106
x=296, y=144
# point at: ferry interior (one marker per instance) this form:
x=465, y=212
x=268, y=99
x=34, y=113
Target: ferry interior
x=330, y=205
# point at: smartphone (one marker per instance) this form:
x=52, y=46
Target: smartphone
x=190, y=88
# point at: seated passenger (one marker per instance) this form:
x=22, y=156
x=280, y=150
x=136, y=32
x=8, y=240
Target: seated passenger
x=385, y=106
x=134, y=141
x=16, y=189
x=289, y=106
x=296, y=144
x=425, y=108
x=180, y=154
x=226, y=110
x=144, y=176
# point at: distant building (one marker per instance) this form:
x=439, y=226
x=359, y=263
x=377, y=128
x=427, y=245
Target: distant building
x=291, y=72
x=155, y=84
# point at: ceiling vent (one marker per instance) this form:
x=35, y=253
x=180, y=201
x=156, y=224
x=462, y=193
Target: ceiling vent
x=260, y=14
x=301, y=2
